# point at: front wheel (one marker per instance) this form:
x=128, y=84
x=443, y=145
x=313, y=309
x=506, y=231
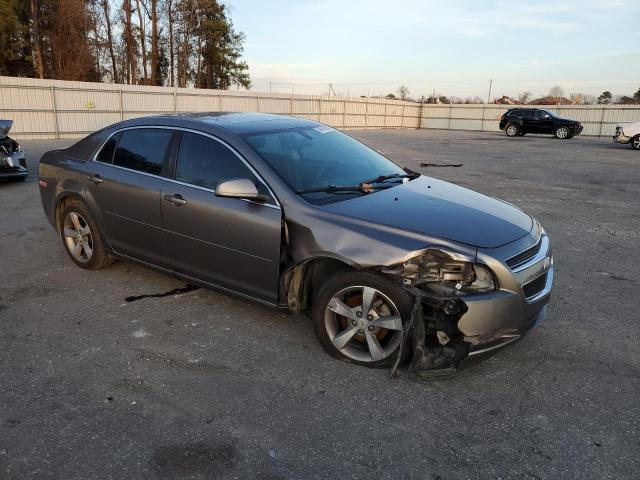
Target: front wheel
x=635, y=142
x=562, y=133
x=358, y=318
x=512, y=130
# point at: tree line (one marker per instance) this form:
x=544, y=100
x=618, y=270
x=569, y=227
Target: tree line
x=556, y=95
x=137, y=42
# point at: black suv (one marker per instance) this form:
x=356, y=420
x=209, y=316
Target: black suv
x=520, y=121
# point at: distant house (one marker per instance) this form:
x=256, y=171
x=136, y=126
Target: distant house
x=504, y=100
x=550, y=101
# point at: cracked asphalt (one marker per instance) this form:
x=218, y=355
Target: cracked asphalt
x=201, y=385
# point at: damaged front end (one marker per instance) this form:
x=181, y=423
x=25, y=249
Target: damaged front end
x=12, y=160
x=439, y=283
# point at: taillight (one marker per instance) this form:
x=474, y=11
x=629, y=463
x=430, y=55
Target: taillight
x=43, y=183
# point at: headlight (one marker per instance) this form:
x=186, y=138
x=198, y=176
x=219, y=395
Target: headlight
x=465, y=277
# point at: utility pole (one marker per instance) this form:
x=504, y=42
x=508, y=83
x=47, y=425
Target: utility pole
x=489, y=96
x=269, y=86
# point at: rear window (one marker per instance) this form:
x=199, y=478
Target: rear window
x=143, y=149
x=107, y=151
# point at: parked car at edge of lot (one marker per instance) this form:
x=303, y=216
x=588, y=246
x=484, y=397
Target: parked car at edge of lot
x=295, y=214
x=628, y=133
x=517, y=122
x=13, y=164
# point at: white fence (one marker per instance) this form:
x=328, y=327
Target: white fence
x=60, y=109
x=597, y=120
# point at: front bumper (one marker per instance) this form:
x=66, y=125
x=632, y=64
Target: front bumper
x=620, y=137
x=496, y=319
x=13, y=166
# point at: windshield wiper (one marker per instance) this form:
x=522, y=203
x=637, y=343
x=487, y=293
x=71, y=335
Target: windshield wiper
x=362, y=188
x=382, y=178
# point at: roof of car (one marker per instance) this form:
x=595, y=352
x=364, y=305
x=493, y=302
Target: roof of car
x=235, y=122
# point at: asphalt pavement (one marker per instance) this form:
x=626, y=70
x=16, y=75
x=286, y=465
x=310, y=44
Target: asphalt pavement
x=203, y=385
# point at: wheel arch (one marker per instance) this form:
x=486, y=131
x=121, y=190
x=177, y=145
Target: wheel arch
x=301, y=281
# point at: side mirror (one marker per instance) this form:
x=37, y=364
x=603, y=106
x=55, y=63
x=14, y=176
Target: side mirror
x=239, y=188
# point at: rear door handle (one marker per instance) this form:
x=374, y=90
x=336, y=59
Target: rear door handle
x=175, y=199
x=95, y=178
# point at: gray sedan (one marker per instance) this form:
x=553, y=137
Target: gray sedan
x=389, y=264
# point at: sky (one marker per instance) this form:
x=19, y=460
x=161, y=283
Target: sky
x=370, y=47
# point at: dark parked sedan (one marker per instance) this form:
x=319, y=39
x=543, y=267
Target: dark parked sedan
x=517, y=122
x=295, y=214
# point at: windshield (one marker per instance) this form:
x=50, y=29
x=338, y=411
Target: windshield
x=316, y=157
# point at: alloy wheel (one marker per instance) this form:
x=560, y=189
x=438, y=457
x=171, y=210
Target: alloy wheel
x=512, y=131
x=78, y=237
x=363, y=324
x=635, y=143
x=562, y=132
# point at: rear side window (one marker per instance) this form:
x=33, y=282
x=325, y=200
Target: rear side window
x=143, y=149
x=107, y=151
x=206, y=162
x=519, y=112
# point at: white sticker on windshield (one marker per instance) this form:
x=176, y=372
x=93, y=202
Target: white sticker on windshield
x=323, y=129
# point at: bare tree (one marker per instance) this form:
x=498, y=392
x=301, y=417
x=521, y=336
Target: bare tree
x=524, y=97
x=110, y=45
x=576, y=98
x=402, y=92
x=170, y=19
x=143, y=42
x=556, y=92
x=37, y=38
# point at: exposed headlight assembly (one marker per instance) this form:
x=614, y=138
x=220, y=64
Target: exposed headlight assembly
x=465, y=277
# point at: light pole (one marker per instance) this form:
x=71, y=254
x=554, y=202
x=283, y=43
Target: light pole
x=489, y=96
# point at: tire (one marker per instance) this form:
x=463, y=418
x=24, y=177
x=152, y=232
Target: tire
x=562, y=133
x=512, y=130
x=351, y=336
x=635, y=142
x=82, y=238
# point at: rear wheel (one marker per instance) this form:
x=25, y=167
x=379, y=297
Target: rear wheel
x=82, y=238
x=635, y=142
x=562, y=133
x=358, y=318
x=512, y=130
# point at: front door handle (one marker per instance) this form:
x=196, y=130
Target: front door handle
x=95, y=178
x=175, y=199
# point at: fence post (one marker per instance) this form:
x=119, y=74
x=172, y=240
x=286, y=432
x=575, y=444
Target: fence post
x=402, y=117
x=319, y=108
x=121, y=105
x=344, y=114
x=601, y=122
x=449, y=119
x=175, y=100
x=366, y=113
x=420, y=113
x=258, y=102
x=386, y=105
x=291, y=105
x=55, y=112
x=483, y=113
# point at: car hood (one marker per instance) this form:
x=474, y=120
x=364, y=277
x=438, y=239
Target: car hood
x=5, y=126
x=440, y=209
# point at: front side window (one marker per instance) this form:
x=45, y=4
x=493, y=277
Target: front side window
x=206, y=162
x=143, y=149
x=317, y=156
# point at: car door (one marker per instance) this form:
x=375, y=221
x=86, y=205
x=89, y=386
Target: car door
x=229, y=242
x=124, y=181
x=545, y=122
